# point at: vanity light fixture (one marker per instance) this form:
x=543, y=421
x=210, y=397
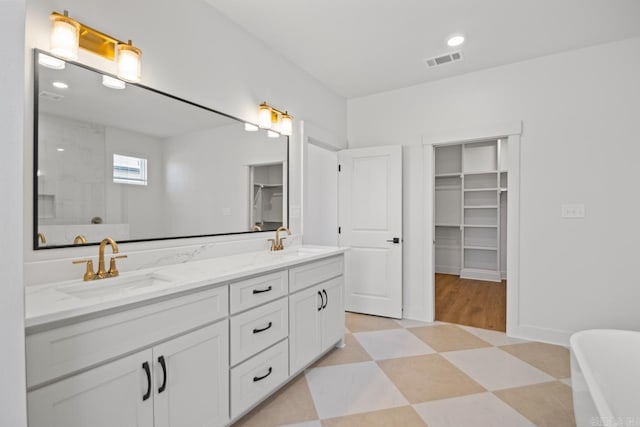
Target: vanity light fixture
x=112, y=83
x=67, y=35
x=50, y=62
x=249, y=127
x=274, y=120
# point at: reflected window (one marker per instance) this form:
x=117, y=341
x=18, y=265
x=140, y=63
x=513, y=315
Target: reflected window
x=129, y=170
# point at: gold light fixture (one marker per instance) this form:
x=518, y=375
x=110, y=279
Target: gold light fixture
x=67, y=35
x=274, y=121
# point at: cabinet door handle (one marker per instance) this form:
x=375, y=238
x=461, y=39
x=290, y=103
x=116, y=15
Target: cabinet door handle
x=147, y=371
x=326, y=299
x=163, y=365
x=257, y=331
x=256, y=379
x=321, y=301
x=259, y=291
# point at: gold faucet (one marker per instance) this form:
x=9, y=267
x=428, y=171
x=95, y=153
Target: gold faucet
x=102, y=273
x=41, y=239
x=276, y=244
x=256, y=228
x=80, y=239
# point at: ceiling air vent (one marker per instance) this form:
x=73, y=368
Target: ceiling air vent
x=50, y=96
x=444, y=59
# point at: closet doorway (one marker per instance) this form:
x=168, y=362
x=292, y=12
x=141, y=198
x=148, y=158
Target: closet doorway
x=470, y=233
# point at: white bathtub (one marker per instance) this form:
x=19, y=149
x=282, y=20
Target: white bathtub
x=605, y=377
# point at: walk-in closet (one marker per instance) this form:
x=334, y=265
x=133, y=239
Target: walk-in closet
x=471, y=225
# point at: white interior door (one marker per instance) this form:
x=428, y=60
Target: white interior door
x=370, y=221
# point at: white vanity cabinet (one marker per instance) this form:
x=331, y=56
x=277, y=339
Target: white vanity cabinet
x=182, y=382
x=316, y=314
x=200, y=357
x=81, y=374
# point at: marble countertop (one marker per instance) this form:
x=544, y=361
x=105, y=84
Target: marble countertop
x=76, y=299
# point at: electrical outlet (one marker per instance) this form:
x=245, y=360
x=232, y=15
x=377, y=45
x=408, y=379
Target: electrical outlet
x=573, y=211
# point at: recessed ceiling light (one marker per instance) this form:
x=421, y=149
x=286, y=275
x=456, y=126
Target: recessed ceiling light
x=113, y=83
x=456, y=40
x=60, y=85
x=50, y=62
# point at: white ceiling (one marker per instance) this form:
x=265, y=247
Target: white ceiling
x=360, y=47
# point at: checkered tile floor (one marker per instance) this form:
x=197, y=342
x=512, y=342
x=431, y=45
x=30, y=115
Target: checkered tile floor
x=406, y=373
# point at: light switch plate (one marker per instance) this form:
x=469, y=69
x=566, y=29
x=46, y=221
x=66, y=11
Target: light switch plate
x=573, y=211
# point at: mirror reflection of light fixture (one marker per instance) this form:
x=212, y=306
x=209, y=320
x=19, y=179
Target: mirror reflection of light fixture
x=272, y=134
x=50, y=62
x=249, y=127
x=274, y=120
x=112, y=83
x=67, y=35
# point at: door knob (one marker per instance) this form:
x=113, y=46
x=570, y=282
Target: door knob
x=394, y=240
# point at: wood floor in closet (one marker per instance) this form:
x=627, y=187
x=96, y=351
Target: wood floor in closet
x=471, y=302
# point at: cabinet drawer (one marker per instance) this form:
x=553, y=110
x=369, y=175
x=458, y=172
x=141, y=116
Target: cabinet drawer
x=58, y=352
x=249, y=293
x=257, y=329
x=258, y=376
x=315, y=272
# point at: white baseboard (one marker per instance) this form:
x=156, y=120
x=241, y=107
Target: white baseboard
x=534, y=333
x=477, y=274
x=447, y=269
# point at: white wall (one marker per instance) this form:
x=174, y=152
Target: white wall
x=205, y=169
x=12, y=103
x=580, y=111
x=201, y=57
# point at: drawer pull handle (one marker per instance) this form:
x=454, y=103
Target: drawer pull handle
x=259, y=291
x=326, y=299
x=163, y=365
x=321, y=301
x=257, y=331
x=256, y=379
x=147, y=371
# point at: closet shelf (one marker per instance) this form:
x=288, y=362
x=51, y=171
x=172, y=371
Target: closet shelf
x=480, y=189
x=447, y=225
x=448, y=175
x=481, y=248
x=447, y=187
x=258, y=184
x=479, y=226
x=482, y=207
x=490, y=172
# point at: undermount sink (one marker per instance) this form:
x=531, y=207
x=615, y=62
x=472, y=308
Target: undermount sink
x=103, y=287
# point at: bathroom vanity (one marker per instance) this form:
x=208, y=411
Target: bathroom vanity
x=193, y=344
